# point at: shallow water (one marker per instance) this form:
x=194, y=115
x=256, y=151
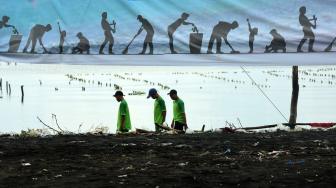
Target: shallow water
x=209, y=99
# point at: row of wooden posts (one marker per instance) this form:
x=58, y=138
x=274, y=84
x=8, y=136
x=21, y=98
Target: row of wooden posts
x=9, y=89
x=293, y=107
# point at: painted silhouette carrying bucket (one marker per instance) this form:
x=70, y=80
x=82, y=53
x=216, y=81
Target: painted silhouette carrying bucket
x=14, y=42
x=195, y=41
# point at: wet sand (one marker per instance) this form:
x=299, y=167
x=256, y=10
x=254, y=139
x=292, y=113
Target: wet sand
x=280, y=159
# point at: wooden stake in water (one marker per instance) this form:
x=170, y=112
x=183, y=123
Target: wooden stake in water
x=7, y=87
x=9, y=90
x=22, y=94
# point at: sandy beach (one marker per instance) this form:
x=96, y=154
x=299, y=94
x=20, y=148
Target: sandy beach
x=279, y=159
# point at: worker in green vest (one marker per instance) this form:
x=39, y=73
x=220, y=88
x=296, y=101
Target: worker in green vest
x=179, y=116
x=159, y=109
x=124, y=119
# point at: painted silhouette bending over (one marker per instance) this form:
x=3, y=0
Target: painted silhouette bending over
x=106, y=26
x=62, y=38
x=149, y=36
x=307, y=30
x=253, y=33
x=278, y=43
x=173, y=27
x=36, y=33
x=82, y=46
x=221, y=30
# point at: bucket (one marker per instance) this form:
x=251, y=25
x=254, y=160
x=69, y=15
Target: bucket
x=195, y=42
x=14, y=43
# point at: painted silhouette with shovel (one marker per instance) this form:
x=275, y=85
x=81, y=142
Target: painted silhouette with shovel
x=149, y=36
x=36, y=33
x=173, y=27
x=221, y=30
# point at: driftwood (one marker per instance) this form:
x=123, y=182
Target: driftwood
x=59, y=132
x=260, y=127
x=54, y=117
x=171, y=129
x=143, y=131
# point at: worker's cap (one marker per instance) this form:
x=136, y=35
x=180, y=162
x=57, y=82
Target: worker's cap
x=139, y=17
x=273, y=31
x=152, y=92
x=5, y=18
x=172, y=92
x=118, y=93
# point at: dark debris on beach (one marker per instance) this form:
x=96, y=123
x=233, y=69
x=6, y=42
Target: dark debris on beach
x=280, y=159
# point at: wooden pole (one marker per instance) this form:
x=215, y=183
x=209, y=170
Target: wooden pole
x=295, y=96
x=0, y=84
x=22, y=94
x=9, y=90
x=7, y=87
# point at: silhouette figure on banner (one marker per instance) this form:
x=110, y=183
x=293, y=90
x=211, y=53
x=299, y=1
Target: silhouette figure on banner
x=149, y=36
x=253, y=33
x=173, y=27
x=36, y=33
x=278, y=43
x=62, y=38
x=307, y=26
x=106, y=26
x=221, y=30
x=82, y=46
x=4, y=23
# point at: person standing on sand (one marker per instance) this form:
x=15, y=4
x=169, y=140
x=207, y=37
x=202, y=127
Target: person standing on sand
x=124, y=119
x=173, y=27
x=179, y=116
x=159, y=109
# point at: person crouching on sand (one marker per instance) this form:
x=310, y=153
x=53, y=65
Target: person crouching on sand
x=159, y=109
x=179, y=117
x=124, y=119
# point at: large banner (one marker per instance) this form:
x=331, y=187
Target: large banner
x=168, y=31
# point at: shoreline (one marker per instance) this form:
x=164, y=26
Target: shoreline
x=277, y=159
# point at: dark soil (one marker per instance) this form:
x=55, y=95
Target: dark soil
x=301, y=159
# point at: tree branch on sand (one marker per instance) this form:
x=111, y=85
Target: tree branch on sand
x=58, y=132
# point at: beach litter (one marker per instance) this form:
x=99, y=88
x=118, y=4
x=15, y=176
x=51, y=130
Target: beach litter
x=295, y=162
x=25, y=164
